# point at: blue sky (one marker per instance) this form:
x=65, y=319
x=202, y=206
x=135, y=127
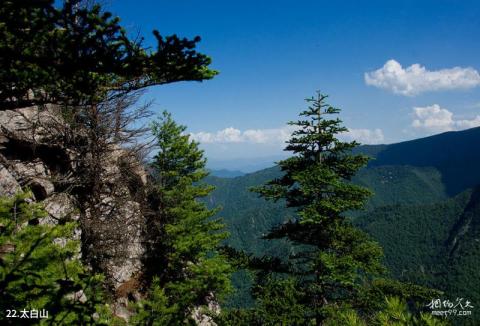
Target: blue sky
x=273, y=54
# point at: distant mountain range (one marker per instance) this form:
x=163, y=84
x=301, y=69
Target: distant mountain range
x=455, y=154
x=425, y=211
x=224, y=173
x=246, y=165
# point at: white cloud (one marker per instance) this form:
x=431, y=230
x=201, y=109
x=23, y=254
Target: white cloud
x=364, y=136
x=233, y=135
x=433, y=118
x=278, y=136
x=230, y=135
x=417, y=79
x=465, y=124
x=202, y=137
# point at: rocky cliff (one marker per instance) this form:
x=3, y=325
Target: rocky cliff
x=35, y=154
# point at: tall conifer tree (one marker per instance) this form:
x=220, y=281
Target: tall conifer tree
x=334, y=262
x=188, y=272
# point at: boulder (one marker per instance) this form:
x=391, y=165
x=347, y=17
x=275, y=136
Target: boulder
x=8, y=184
x=61, y=206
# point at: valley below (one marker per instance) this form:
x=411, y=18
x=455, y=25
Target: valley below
x=425, y=212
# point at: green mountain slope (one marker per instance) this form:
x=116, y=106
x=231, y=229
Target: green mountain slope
x=463, y=277
x=456, y=155
x=401, y=185
x=224, y=173
x=246, y=215
x=436, y=244
x=415, y=237
x=424, y=212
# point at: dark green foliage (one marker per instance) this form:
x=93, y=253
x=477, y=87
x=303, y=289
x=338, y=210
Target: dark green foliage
x=401, y=185
x=78, y=55
x=454, y=154
x=241, y=297
x=428, y=238
x=414, y=237
x=463, y=278
x=432, y=244
x=395, y=313
x=188, y=271
x=279, y=302
x=333, y=260
x=331, y=266
x=223, y=173
x=248, y=216
x=39, y=267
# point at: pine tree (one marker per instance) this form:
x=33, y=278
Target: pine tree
x=335, y=264
x=80, y=59
x=40, y=268
x=395, y=313
x=188, y=271
x=78, y=55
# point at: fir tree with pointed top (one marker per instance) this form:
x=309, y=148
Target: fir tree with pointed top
x=333, y=261
x=187, y=270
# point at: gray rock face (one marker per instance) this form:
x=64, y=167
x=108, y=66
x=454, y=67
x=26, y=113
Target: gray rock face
x=200, y=315
x=112, y=228
x=30, y=123
x=60, y=206
x=118, y=234
x=8, y=184
x=33, y=175
x=28, y=159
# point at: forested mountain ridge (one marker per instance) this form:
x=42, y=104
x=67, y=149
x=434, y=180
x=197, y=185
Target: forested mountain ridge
x=454, y=154
x=225, y=173
x=424, y=212
x=422, y=170
x=435, y=244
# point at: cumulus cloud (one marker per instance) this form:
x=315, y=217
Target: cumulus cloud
x=364, y=136
x=416, y=79
x=233, y=135
x=278, y=136
x=433, y=118
x=465, y=124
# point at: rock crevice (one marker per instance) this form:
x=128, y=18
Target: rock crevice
x=33, y=157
